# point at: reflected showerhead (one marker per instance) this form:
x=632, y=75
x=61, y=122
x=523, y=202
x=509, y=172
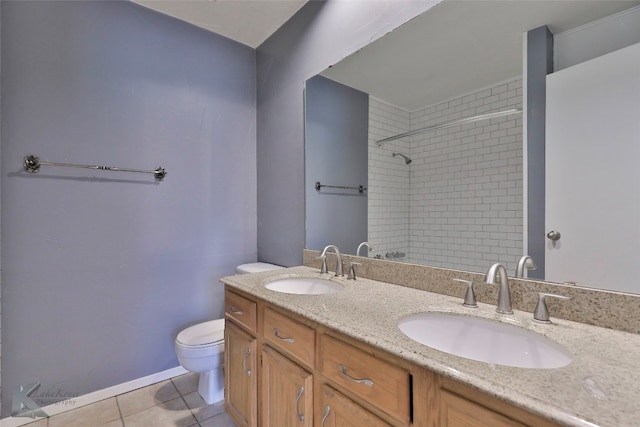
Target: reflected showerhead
x=406, y=159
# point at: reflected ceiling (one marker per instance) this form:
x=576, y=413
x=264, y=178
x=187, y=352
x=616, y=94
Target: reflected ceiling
x=485, y=47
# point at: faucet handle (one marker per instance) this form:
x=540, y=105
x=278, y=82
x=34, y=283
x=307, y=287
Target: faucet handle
x=352, y=270
x=339, y=267
x=541, y=312
x=470, y=296
x=323, y=268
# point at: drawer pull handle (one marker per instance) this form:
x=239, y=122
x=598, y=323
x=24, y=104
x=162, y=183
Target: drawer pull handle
x=327, y=410
x=277, y=334
x=244, y=362
x=364, y=381
x=300, y=393
x=236, y=310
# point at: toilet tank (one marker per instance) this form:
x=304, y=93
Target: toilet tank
x=256, y=267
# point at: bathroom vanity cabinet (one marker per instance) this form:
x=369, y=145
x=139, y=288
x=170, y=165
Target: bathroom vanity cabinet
x=282, y=369
x=241, y=359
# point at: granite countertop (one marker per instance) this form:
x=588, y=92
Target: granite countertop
x=599, y=387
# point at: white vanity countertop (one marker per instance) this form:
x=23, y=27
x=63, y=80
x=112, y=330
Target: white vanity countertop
x=369, y=311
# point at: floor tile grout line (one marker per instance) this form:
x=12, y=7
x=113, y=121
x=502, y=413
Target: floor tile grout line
x=192, y=411
x=119, y=411
x=197, y=424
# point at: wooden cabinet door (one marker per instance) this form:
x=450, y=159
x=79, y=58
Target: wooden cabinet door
x=340, y=411
x=456, y=411
x=287, y=392
x=241, y=387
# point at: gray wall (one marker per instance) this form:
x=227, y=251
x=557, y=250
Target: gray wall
x=102, y=269
x=319, y=35
x=336, y=137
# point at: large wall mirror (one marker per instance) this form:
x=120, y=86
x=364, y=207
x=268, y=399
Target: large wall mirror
x=415, y=142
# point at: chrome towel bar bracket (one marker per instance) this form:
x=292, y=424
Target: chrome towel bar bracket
x=32, y=165
x=361, y=189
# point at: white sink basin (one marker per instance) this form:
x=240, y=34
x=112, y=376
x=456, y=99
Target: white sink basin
x=304, y=286
x=484, y=340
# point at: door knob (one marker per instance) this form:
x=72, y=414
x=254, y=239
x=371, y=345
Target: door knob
x=553, y=235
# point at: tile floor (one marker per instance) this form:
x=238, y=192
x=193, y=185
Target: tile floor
x=169, y=403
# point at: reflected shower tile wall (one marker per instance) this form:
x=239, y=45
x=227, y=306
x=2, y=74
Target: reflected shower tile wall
x=466, y=182
x=388, y=186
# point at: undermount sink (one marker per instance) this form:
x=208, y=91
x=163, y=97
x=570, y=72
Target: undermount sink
x=484, y=340
x=305, y=286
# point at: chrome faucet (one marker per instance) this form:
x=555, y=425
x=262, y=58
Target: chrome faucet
x=362, y=245
x=339, y=262
x=497, y=274
x=525, y=262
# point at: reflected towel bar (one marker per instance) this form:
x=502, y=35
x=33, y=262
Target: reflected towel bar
x=32, y=164
x=451, y=124
x=360, y=188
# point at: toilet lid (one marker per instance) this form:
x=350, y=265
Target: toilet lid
x=202, y=333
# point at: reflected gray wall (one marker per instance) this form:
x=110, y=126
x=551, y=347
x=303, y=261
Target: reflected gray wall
x=539, y=64
x=320, y=34
x=336, y=137
x=101, y=270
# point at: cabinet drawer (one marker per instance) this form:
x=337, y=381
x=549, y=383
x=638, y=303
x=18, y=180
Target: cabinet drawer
x=375, y=381
x=456, y=411
x=338, y=410
x=241, y=310
x=289, y=336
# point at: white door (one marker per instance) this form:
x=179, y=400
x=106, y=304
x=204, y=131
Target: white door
x=593, y=172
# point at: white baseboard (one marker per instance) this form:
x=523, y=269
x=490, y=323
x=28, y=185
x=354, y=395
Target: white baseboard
x=96, y=396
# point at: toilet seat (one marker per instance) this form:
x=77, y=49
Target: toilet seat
x=202, y=334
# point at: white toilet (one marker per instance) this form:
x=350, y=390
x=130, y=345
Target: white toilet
x=200, y=348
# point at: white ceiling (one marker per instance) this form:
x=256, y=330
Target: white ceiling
x=249, y=22
x=453, y=48
x=457, y=47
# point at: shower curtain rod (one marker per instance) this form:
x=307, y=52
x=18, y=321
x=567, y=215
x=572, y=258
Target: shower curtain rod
x=451, y=124
x=32, y=164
